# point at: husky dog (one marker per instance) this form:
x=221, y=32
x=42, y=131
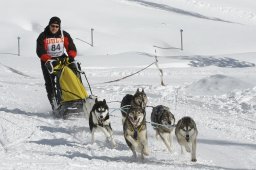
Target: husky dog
x=88, y=104
x=186, y=133
x=162, y=115
x=135, y=132
x=99, y=119
x=138, y=100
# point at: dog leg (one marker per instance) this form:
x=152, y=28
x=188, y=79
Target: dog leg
x=134, y=154
x=111, y=136
x=132, y=141
x=157, y=135
x=123, y=120
x=187, y=147
x=165, y=137
x=112, y=140
x=181, y=148
x=142, y=154
x=144, y=143
x=106, y=133
x=170, y=139
x=193, y=154
x=93, y=139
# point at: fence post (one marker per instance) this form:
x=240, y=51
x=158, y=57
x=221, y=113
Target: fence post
x=181, y=39
x=18, y=46
x=92, y=36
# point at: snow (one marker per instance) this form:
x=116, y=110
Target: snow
x=213, y=79
x=216, y=85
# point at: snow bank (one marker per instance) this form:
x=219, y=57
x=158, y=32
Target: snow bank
x=216, y=85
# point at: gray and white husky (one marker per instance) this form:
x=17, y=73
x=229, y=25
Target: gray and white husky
x=186, y=133
x=135, y=132
x=138, y=100
x=99, y=120
x=163, y=123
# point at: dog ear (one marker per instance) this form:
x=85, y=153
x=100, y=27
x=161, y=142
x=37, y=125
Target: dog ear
x=104, y=101
x=96, y=100
x=138, y=90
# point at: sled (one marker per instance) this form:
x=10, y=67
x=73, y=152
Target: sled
x=69, y=92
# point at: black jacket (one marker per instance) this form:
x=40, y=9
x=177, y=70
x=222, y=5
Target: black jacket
x=41, y=48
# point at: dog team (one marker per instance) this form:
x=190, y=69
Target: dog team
x=133, y=109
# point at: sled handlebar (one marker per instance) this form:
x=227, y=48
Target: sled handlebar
x=50, y=65
x=54, y=65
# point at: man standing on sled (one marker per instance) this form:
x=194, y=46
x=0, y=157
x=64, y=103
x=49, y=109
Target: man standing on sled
x=50, y=46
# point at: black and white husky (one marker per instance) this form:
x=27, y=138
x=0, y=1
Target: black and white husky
x=135, y=132
x=163, y=123
x=138, y=100
x=186, y=133
x=99, y=120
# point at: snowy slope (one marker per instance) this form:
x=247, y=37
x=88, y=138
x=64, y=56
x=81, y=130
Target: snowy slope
x=214, y=76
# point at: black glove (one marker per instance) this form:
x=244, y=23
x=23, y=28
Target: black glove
x=70, y=59
x=50, y=64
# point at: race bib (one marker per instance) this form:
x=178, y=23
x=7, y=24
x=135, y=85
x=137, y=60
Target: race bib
x=55, y=46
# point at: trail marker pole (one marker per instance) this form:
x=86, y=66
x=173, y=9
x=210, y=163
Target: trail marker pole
x=18, y=46
x=92, y=36
x=181, y=39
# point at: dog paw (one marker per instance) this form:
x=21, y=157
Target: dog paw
x=146, y=152
x=136, y=146
x=169, y=150
x=188, y=149
x=193, y=160
x=114, y=145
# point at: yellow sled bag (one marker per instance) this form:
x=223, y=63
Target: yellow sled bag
x=71, y=86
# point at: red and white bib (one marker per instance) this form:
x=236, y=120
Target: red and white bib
x=55, y=46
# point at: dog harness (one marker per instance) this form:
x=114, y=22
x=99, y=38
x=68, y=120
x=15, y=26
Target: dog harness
x=101, y=121
x=137, y=128
x=160, y=111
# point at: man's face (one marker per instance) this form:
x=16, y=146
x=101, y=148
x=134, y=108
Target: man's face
x=54, y=28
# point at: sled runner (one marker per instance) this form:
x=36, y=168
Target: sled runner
x=69, y=92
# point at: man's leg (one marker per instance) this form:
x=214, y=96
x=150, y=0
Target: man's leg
x=48, y=84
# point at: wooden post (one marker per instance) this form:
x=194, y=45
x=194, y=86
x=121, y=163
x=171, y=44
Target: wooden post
x=181, y=39
x=161, y=71
x=18, y=46
x=92, y=36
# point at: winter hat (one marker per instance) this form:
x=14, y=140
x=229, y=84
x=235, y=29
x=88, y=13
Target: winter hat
x=55, y=20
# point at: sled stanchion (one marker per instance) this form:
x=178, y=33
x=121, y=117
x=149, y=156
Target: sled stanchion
x=87, y=82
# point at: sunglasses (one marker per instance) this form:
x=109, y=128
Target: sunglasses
x=55, y=26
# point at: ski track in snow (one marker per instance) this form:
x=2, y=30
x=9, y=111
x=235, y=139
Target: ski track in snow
x=16, y=71
x=177, y=10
